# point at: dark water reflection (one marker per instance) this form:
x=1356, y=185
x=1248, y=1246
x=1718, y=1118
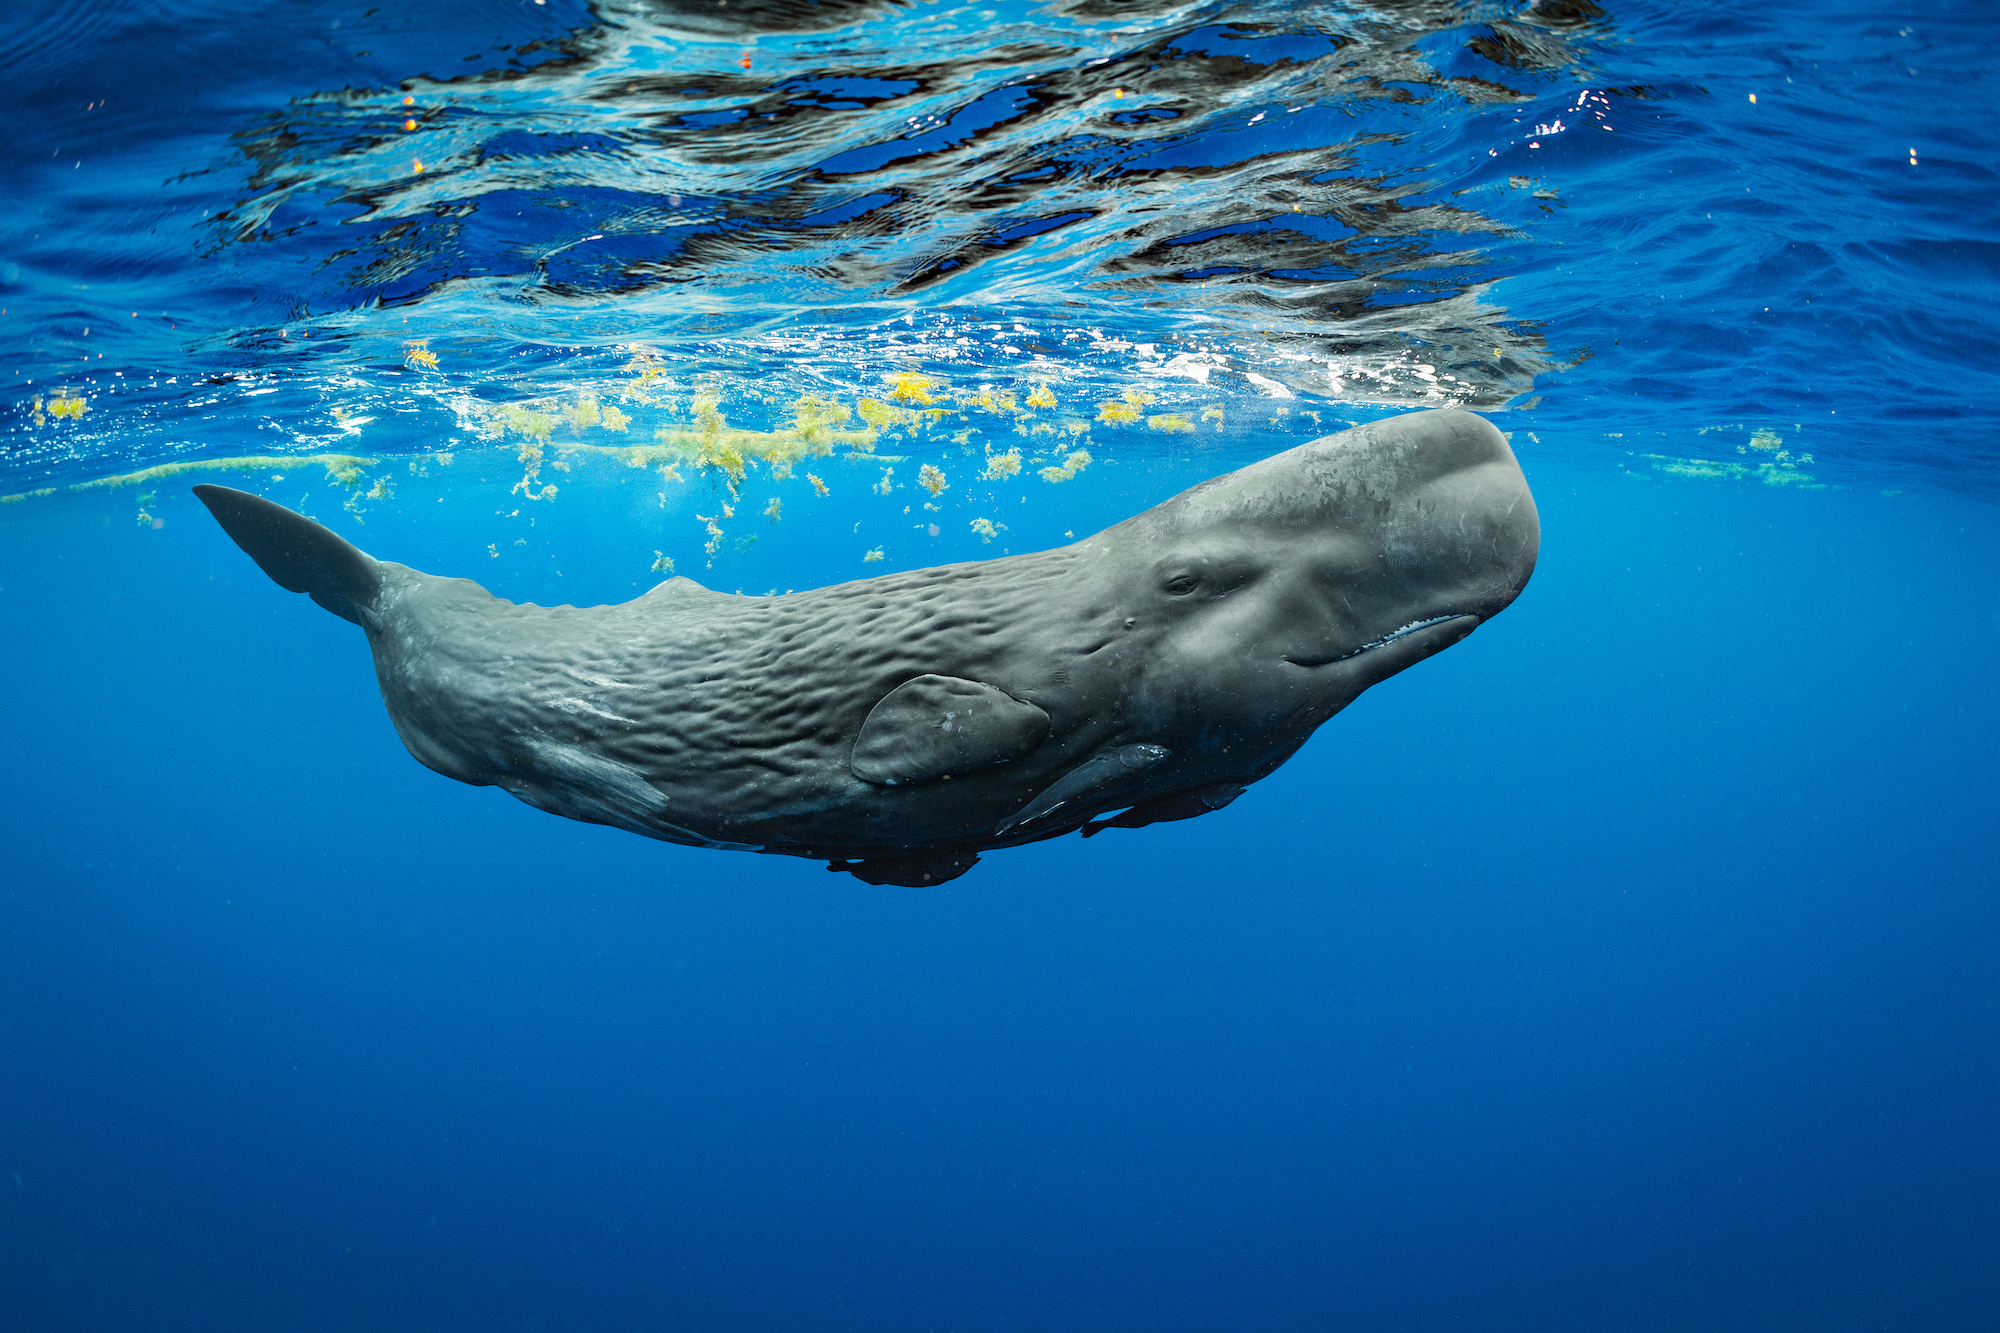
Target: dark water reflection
x=1263, y=199
x=1770, y=223
x=695, y=171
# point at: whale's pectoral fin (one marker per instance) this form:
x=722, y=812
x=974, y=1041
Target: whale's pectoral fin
x=1181, y=805
x=298, y=554
x=1101, y=777
x=940, y=726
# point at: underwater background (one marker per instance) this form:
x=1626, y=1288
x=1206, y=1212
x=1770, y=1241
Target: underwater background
x=1630, y=966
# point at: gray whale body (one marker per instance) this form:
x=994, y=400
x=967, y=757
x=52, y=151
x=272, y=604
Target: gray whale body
x=899, y=726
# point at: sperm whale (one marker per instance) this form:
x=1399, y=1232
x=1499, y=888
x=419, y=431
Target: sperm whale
x=898, y=727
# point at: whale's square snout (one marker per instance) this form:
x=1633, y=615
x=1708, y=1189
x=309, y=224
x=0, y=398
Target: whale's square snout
x=1435, y=489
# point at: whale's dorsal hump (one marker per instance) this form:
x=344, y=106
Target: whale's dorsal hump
x=940, y=726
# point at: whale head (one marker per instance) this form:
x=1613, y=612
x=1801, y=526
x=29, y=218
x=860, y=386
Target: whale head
x=1274, y=595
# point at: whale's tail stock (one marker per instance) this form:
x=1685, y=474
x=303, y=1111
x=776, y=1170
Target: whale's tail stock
x=298, y=554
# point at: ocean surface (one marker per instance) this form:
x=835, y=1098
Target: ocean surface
x=1632, y=965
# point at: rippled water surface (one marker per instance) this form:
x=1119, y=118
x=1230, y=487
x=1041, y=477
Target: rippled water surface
x=1628, y=226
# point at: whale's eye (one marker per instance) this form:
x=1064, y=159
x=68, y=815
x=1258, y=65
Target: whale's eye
x=1182, y=584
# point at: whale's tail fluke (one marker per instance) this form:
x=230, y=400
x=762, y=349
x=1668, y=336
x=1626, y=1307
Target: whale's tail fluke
x=298, y=554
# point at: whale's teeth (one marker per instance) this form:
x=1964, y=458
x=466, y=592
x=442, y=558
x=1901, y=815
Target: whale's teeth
x=1410, y=628
x=1381, y=642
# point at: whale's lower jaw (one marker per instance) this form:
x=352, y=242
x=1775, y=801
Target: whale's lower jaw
x=1393, y=636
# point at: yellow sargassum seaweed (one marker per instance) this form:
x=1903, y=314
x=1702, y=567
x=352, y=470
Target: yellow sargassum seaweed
x=817, y=427
x=1075, y=463
x=1001, y=466
x=1124, y=411
x=1783, y=472
x=992, y=400
x=911, y=388
x=342, y=469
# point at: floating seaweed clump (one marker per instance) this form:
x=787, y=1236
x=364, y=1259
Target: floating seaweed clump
x=341, y=469
x=1001, y=466
x=685, y=428
x=992, y=400
x=1782, y=471
x=531, y=458
x=1124, y=411
x=522, y=420
x=1075, y=463
x=714, y=542
x=909, y=388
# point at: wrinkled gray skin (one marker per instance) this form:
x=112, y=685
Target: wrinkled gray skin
x=1155, y=668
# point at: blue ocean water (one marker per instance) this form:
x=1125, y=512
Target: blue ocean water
x=1629, y=965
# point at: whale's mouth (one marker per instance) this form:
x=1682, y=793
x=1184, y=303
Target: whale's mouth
x=1402, y=632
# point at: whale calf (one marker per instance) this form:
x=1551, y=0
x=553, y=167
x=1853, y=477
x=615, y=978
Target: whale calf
x=897, y=727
